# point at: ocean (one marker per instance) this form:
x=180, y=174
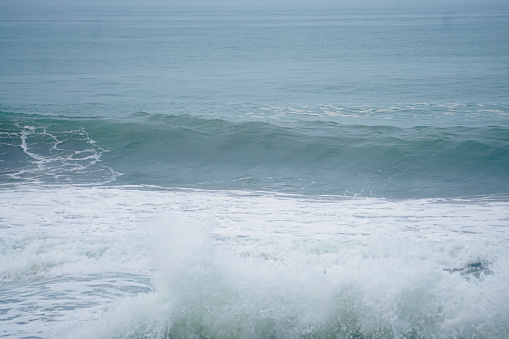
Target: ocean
x=217, y=172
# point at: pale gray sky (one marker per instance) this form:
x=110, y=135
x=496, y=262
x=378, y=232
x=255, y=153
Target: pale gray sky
x=273, y=3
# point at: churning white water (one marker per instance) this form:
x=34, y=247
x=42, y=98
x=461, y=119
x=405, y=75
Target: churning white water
x=139, y=262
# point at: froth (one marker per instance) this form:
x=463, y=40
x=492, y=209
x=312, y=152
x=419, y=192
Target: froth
x=257, y=265
x=41, y=152
x=205, y=290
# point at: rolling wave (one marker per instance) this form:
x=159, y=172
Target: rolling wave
x=317, y=157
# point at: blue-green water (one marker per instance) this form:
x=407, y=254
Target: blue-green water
x=306, y=155
x=404, y=103
x=302, y=139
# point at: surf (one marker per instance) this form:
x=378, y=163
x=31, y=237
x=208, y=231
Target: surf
x=182, y=263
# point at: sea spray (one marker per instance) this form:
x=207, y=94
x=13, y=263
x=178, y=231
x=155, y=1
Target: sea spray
x=211, y=280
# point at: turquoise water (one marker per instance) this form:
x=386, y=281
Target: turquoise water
x=317, y=155
x=255, y=173
x=307, y=57
x=396, y=103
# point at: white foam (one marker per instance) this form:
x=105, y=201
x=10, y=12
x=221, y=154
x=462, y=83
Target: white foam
x=251, y=264
x=50, y=159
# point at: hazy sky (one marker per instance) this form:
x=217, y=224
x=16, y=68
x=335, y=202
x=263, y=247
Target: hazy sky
x=278, y=3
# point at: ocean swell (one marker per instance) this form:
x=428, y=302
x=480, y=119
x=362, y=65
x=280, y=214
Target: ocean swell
x=318, y=157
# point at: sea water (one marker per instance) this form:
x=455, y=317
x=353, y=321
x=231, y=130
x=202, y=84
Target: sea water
x=254, y=173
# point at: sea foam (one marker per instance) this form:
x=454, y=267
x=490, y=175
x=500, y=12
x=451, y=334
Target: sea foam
x=185, y=263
